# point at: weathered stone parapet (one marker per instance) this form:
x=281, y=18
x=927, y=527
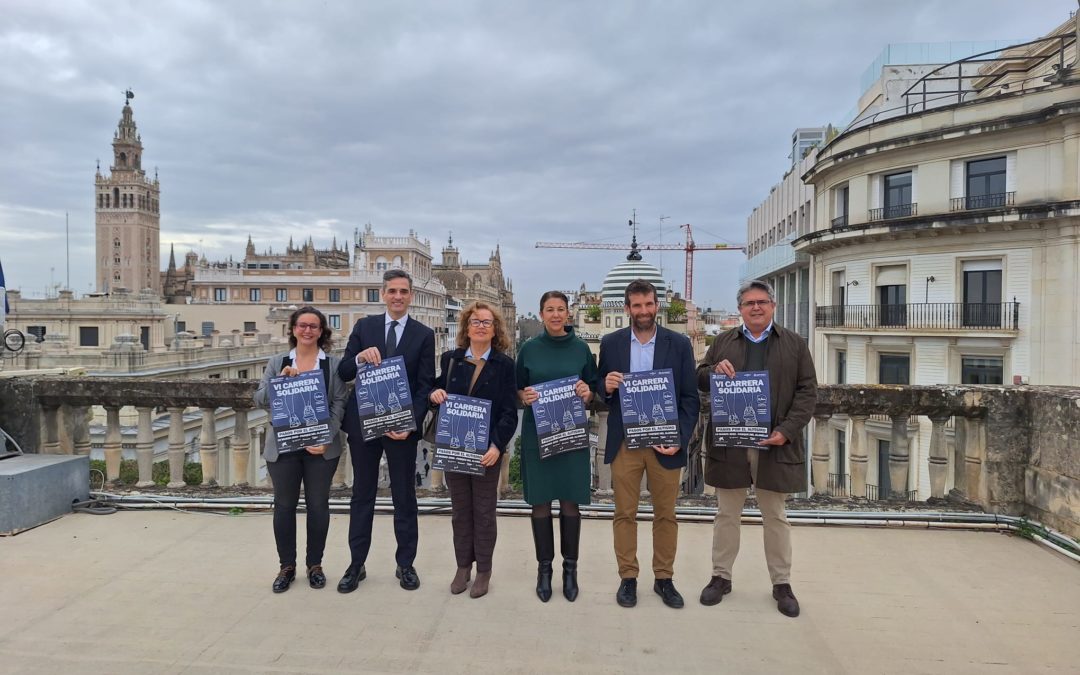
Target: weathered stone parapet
x=1014, y=447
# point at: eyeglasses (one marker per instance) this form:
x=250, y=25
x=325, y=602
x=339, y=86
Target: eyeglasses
x=477, y=323
x=757, y=303
x=308, y=326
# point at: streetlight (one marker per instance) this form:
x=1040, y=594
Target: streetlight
x=853, y=282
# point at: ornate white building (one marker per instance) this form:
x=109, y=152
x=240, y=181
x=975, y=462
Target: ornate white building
x=947, y=239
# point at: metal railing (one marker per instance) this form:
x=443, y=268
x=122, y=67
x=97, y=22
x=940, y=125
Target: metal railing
x=839, y=484
x=993, y=201
x=894, y=211
x=840, y=221
x=931, y=315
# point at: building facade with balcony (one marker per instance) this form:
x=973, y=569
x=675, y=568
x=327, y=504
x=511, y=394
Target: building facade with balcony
x=786, y=214
x=948, y=238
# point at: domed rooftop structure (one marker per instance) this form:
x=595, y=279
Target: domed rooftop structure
x=622, y=274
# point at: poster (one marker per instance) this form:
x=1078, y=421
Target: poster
x=461, y=435
x=561, y=420
x=299, y=413
x=383, y=398
x=649, y=414
x=741, y=409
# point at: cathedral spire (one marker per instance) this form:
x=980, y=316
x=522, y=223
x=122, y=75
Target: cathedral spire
x=172, y=258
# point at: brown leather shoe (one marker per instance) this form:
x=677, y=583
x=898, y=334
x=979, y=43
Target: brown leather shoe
x=461, y=580
x=785, y=600
x=715, y=591
x=480, y=586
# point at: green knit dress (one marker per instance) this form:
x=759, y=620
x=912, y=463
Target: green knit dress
x=567, y=476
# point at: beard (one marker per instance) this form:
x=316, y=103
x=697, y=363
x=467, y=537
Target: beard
x=644, y=321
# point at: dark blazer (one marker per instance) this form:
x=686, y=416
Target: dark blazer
x=793, y=390
x=495, y=384
x=417, y=347
x=671, y=351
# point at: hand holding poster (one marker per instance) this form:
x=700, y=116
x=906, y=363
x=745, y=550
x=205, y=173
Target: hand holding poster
x=383, y=398
x=561, y=421
x=649, y=415
x=741, y=409
x=299, y=413
x=461, y=435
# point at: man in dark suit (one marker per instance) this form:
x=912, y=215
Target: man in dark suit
x=644, y=345
x=374, y=338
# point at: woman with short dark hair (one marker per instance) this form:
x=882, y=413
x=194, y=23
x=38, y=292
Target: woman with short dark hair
x=309, y=338
x=553, y=354
x=480, y=368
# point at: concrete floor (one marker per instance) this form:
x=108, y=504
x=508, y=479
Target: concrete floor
x=172, y=592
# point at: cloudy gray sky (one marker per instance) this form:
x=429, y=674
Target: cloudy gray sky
x=503, y=121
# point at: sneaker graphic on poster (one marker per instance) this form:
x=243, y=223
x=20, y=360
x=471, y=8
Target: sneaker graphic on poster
x=568, y=420
x=658, y=414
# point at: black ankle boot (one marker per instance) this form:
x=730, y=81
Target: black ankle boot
x=569, y=537
x=544, y=541
x=569, y=579
x=543, y=580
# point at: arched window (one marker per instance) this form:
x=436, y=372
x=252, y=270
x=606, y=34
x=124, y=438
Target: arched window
x=100, y=201
x=116, y=242
x=116, y=197
x=123, y=159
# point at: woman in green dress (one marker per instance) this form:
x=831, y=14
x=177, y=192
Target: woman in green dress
x=555, y=353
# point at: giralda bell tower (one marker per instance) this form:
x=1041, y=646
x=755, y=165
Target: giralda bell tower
x=127, y=215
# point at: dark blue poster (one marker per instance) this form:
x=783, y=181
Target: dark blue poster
x=383, y=398
x=298, y=411
x=741, y=409
x=461, y=436
x=561, y=420
x=648, y=409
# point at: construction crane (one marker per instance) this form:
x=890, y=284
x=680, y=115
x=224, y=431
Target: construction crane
x=690, y=247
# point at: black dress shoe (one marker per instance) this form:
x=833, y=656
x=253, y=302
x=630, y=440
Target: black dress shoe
x=785, y=600
x=284, y=578
x=410, y=580
x=354, y=574
x=626, y=596
x=715, y=591
x=316, y=577
x=666, y=590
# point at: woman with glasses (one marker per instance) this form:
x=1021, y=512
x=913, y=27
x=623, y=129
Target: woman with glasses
x=314, y=466
x=480, y=368
x=553, y=354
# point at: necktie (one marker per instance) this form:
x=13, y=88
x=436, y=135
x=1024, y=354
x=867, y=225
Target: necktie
x=391, y=339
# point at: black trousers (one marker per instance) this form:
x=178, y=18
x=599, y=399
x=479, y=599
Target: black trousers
x=401, y=462
x=316, y=473
x=472, y=516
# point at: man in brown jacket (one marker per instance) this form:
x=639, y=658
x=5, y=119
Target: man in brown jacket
x=779, y=467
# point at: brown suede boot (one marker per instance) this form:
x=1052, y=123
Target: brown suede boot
x=461, y=580
x=480, y=586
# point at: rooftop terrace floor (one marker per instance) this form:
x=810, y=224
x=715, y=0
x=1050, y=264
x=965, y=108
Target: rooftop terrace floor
x=170, y=592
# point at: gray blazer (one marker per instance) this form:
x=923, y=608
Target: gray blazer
x=338, y=394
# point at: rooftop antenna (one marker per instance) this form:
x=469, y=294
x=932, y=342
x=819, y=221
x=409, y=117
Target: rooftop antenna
x=661, y=241
x=67, y=244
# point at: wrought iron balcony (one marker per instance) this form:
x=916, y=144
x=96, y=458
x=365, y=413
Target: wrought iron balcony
x=925, y=315
x=840, y=221
x=983, y=201
x=894, y=211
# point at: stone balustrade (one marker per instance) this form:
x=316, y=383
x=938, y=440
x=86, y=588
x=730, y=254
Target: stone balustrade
x=1010, y=450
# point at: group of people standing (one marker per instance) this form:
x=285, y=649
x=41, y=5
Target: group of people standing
x=481, y=367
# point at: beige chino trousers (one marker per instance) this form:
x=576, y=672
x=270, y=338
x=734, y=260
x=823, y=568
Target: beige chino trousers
x=726, y=528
